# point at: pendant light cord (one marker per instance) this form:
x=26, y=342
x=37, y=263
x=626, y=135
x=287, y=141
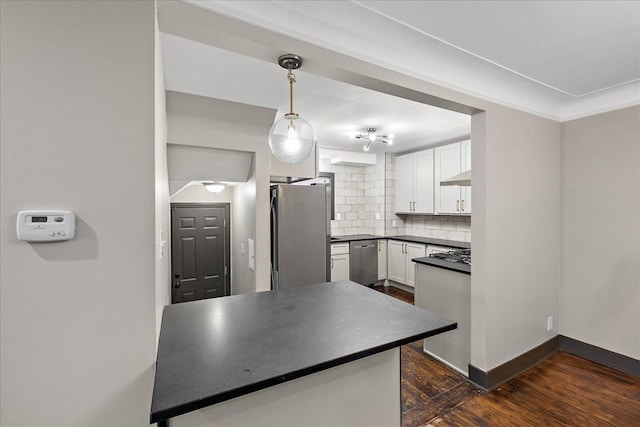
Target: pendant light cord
x=292, y=79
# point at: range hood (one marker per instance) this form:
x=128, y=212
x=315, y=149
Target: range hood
x=462, y=179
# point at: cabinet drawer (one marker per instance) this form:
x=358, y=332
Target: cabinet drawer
x=339, y=248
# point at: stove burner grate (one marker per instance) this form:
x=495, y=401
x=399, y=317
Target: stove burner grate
x=458, y=255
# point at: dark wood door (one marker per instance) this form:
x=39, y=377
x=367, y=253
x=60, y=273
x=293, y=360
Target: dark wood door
x=199, y=251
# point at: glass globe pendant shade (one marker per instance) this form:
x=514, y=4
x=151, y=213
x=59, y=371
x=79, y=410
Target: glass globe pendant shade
x=291, y=139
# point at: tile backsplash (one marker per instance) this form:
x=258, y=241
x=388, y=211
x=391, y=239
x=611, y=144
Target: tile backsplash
x=365, y=203
x=449, y=227
x=359, y=198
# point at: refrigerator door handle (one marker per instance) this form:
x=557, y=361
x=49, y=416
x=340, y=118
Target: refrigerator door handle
x=274, y=242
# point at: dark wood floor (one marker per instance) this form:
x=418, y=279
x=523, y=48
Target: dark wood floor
x=564, y=390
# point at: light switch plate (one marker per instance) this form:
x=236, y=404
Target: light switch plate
x=252, y=255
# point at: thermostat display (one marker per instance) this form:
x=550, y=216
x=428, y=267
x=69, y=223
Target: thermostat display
x=46, y=226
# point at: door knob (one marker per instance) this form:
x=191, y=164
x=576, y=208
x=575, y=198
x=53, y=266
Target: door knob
x=177, y=285
x=177, y=275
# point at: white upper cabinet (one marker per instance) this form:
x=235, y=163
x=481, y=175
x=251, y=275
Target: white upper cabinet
x=414, y=183
x=405, y=182
x=447, y=164
x=466, y=165
x=424, y=182
x=451, y=160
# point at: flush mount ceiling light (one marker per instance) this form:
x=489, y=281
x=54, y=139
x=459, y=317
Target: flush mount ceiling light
x=291, y=137
x=214, y=187
x=371, y=136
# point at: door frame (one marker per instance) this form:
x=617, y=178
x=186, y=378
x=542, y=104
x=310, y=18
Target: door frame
x=227, y=236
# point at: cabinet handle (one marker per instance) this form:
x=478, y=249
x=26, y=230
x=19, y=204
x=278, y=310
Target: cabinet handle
x=332, y=263
x=414, y=206
x=458, y=205
x=462, y=205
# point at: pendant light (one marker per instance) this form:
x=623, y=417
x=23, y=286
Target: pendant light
x=291, y=137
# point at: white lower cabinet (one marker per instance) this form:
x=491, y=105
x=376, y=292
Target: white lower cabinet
x=382, y=259
x=339, y=261
x=396, y=261
x=400, y=267
x=413, y=250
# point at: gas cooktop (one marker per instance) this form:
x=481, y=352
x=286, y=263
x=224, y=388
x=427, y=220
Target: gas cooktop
x=458, y=255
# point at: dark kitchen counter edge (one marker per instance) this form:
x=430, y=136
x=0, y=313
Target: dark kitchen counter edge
x=403, y=238
x=436, y=262
x=164, y=415
x=355, y=238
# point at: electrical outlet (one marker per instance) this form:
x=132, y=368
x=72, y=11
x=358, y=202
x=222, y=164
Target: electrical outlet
x=394, y=223
x=377, y=215
x=338, y=216
x=242, y=248
x=549, y=323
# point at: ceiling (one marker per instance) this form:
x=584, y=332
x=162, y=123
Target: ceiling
x=336, y=110
x=557, y=59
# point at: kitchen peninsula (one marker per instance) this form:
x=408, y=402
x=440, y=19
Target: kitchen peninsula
x=443, y=286
x=324, y=354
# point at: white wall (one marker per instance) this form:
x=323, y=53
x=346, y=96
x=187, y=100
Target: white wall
x=162, y=218
x=243, y=223
x=600, y=289
x=207, y=122
x=77, y=127
x=516, y=233
x=196, y=193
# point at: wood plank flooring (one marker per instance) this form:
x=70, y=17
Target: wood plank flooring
x=564, y=390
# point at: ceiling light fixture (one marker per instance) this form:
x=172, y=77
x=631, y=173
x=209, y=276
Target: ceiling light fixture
x=214, y=187
x=291, y=137
x=371, y=136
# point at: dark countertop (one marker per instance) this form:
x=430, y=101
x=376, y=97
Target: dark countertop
x=217, y=349
x=355, y=237
x=404, y=238
x=432, y=241
x=454, y=266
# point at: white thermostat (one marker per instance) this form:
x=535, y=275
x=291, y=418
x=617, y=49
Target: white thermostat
x=46, y=226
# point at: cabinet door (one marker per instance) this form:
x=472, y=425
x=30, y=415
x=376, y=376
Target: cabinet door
x=396, y=258
x=424, y=182
x=466, y=165
x=404, y=183
x=382, y=259
x=447, y=164
x=414, y=250
x=339, y=267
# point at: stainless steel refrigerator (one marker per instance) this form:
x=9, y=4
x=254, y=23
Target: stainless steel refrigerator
x=300, y=235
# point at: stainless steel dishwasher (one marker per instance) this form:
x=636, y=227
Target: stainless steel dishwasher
x=363, y=262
